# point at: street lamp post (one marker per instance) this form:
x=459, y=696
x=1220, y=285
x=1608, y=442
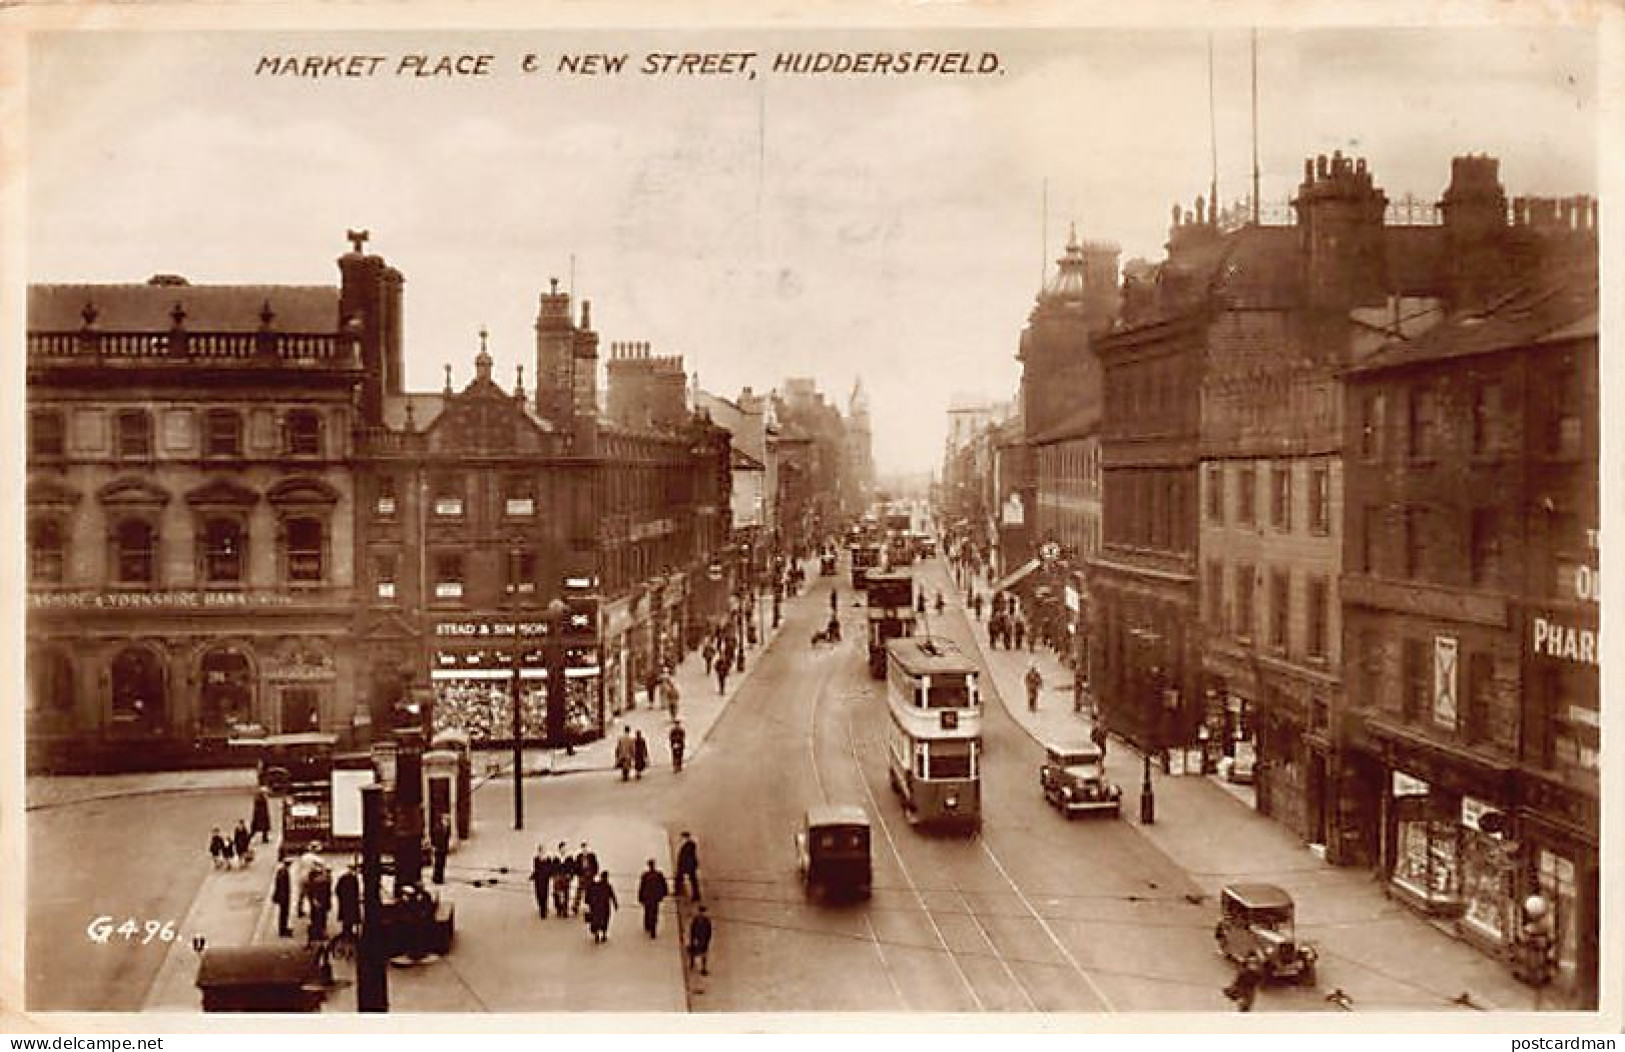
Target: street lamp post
x=517, y=694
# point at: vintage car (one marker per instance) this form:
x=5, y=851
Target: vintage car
x=826, y=565
x=832, y=851
x=1255, y=931
x=1073, y=778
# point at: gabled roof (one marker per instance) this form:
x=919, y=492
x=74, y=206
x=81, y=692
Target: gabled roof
x=209, y=308
x=1081, y=424
x=1559, y=306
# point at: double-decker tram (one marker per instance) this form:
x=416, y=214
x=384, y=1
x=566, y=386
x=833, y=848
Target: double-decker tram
x=891, y=615
x=934, y=737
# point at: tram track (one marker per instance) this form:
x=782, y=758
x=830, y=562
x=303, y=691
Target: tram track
x=823, y=794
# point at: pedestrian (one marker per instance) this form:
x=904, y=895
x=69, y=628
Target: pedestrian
x=440, y=842
x=260, y=824
x=600, y=903
x=624, y=753
x=217, y=849
x=722, y=672
x=940, y=603
x=976, y=604
x=640, y=753
x=1097, y=734
x=688, y=866
x=1021, y=631
x=1034, y=680
x=586, y=872
x=242, y=842
x=919, y=603
x=347, y=892
x=542, y=868
x=563, y=872
x=708, y=652
x=679, y=741
x=1079, y=683
x=282, y=895
x=652, y=892
x=651, y=686
x=834, y=599
x=699, y=941
x=309, y=862
x=670, y=694
x=1245, y=988
x=319, y=890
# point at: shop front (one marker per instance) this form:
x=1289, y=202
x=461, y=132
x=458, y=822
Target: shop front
x=1445, y=829
x=1558, y=827
x=1229, y=714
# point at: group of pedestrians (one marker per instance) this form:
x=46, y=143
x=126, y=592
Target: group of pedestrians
x=631, y=753
x=237, y=848
x=553, y=873
x=308, y=885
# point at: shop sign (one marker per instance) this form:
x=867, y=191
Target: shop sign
x=178, y=600
x=1474, y=812
x=1074, y=601
x=1446, y=650
x=1566, y=642
x=1014, y=513
x=489, y=629
x=1405, y=785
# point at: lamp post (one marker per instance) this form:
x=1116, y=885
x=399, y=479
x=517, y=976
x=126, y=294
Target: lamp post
x=517, y=694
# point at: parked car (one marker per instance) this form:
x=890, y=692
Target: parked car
x=832, y=851
x=1073, y=778
x=1256, y=931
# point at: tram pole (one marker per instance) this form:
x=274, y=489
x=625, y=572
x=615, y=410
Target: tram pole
x=372, y=969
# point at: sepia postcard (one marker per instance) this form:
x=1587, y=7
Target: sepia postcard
x=880, y=513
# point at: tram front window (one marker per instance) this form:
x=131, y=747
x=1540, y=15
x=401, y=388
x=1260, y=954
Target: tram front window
x=950, y=759
x=949, y=694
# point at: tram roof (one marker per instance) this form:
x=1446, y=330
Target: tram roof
x=929, y=655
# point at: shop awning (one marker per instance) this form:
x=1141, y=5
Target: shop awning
x=1017, y=576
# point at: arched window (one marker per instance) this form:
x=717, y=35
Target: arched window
x=225, y=546
x=227, y=695
x=138, y=690
x=304, y=556
x=135, y=552
x=47, y=551
x=302, y=433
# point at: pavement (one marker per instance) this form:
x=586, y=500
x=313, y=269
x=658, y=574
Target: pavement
x=1210, y=830
x=233, y=908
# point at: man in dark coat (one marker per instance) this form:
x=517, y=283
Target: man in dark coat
x=640, y=753
x=586, y=874
x=260, y=824
x=565, y=872
x=699, y=941
x=652, y=892
x=679, y=742
x=282, y=895
x=347, y=891
x=600, y=901
x=319, y=889
x=542, y=869
x=688, y=866
x=240, y=841
x=218, y=849
x=440, y=841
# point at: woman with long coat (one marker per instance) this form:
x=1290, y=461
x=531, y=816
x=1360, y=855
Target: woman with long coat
x=260, y=824
x=600, y=901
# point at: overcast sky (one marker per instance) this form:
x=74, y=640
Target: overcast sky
x=825, y=226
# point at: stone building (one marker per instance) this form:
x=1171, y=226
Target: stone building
x=191, y=560
x=1470, y=591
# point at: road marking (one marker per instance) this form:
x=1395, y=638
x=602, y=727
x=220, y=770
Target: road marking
x=908, y=878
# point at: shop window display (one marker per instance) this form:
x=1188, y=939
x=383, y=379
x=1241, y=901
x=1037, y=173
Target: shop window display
x=1427, y=858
